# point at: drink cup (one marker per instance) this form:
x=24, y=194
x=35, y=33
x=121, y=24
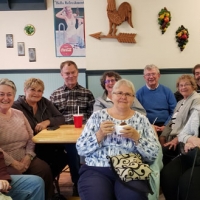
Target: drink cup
x=78, y=120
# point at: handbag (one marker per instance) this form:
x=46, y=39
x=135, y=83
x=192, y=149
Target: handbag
x=131, y=171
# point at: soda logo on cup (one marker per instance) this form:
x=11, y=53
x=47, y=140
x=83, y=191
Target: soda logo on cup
x=78, y=120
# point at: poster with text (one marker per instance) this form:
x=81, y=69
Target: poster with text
x=69, y=28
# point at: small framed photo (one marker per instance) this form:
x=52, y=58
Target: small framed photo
x=32, y=55
x=9, y=40
x=21, y=49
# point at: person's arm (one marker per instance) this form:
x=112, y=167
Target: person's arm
x=191, y=128
x=98, y=105
x=61, y=14
x=90, y=104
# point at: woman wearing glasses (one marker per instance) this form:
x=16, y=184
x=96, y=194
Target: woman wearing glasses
x=186, y=85
x=99, y=140
x=108, y=80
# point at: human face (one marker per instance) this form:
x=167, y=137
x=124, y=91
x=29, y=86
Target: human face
x=185, y=88
x=123, y=97
x=151, y=77
x=109, y=83
x=197, y=76
x=70, y=75
x=6, y=98
x=33, y=94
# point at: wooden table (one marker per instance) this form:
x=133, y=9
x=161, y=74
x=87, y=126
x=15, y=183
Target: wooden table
x=65, y=134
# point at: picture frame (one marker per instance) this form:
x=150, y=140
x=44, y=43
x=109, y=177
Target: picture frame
x=32, y=54
x=9, y=40
x=21, y=49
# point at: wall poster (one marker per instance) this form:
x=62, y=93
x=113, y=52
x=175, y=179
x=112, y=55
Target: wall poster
x=69, y=28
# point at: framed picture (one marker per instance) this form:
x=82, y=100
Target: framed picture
x=9, y=40
x=32, y=55
x=21, y=49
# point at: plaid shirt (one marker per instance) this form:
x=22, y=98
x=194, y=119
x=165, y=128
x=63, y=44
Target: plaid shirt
x=67, y=101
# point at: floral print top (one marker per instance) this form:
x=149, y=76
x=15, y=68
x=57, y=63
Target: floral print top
x=96, y=154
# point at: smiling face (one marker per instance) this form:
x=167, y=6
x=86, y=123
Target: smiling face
x=109, y=83
x=185, y=88
x=123, y=97
x=70, y=75
x=33, y=94
x=151, y=76
x=7, y=96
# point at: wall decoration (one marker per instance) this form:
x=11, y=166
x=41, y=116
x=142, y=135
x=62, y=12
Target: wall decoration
x=182, y=36
x=69, y=28
x=164, y=18
x=29, y=29
x=9, y=40
x=21, y=49
x=116, y=17
x=32, y=55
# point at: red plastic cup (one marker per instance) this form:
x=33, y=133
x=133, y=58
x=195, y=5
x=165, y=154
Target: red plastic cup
x=78, y=120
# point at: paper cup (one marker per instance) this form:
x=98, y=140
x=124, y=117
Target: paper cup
x=118, y=128
x=78, y=120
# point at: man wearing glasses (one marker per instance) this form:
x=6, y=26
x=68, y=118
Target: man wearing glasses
x=158, y=100
x=67, y=99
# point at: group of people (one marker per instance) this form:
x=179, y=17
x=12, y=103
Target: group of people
x=149, y=125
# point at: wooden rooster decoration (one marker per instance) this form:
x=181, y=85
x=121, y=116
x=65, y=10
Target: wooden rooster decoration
x=117, y=17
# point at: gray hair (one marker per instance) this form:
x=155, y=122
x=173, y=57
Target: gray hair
x=150, y=67
x=5, y=81
x=124, y=82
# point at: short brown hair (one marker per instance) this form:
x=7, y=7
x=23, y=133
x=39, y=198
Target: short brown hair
x=109, y=74
x=195, y=67
x=5, y=81
x=33, y=82
x=68, y=62
x=188, y=77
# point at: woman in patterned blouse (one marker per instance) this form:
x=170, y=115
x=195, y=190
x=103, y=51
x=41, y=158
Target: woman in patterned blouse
x=99, y=140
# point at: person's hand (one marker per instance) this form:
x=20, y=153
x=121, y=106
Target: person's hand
x=172, y=144
x=19, y=166
x=188, y=146
x=106, y=127
x=159, y=128
x=4, y=186
x=130, y=132
x=26, y=161
x=42, y=125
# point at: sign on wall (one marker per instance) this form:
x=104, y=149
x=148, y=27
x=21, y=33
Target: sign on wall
x=69, y=28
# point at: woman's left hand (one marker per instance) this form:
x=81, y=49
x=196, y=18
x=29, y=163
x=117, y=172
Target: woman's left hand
x=172, y=144
x=188, y=146
x=42, y=125
x=26, y=161
x=130, y=132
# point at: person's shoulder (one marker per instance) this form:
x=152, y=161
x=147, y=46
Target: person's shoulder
x=58, y=89
x=17, y=112
x=141, y=89
x=165, y=87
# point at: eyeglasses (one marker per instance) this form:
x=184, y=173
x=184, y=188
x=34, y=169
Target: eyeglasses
x=197, y=73
x=121, y=94
x=110, y=81
x=152, y=74
x=186, y=85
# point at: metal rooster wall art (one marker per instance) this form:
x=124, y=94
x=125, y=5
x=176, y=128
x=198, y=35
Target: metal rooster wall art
x=116, y=17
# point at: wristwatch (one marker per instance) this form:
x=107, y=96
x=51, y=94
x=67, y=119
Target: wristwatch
x=31, y=157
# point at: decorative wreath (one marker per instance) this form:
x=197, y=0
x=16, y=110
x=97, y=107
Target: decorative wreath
x=164, y=18
x=29, y=29
x=182, y=36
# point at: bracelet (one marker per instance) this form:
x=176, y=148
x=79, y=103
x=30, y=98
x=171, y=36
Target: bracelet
x=30, y=156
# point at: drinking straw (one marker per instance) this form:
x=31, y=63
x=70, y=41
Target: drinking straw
x=78, y=110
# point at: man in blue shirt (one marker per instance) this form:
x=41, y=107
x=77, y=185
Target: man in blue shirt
x=158, y=100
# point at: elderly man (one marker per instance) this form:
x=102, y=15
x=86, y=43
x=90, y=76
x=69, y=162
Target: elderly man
x=67, y=98
x=158, y=100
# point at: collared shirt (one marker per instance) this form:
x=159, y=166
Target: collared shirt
x=151, y=88
x=67, y=101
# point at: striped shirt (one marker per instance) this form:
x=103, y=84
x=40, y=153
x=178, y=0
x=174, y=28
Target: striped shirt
x=67, y=101
x=16, y=137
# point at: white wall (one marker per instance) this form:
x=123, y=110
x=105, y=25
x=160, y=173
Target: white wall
x=151, y=46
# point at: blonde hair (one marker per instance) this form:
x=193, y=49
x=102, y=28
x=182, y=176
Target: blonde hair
x=5, y=81
x=33, y=82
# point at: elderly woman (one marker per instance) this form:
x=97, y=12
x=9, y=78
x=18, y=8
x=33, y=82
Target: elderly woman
x=186, y=85
x=41, y=113
x=178, y=170
x=99, y=140
x=108, y=80
x=16, y=140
